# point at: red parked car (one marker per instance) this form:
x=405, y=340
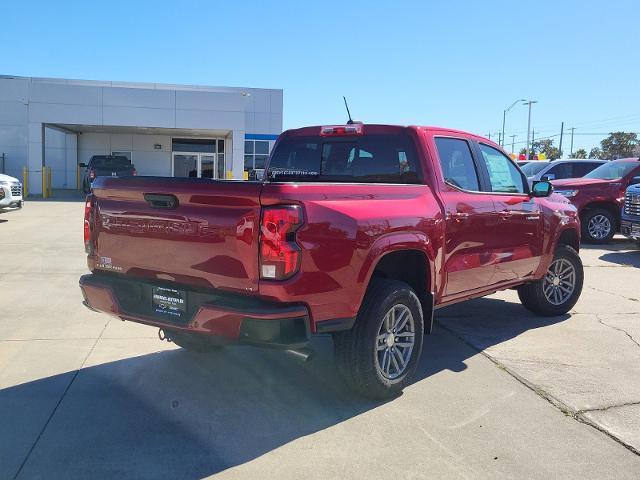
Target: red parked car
x=360, y=231
x=599, y=197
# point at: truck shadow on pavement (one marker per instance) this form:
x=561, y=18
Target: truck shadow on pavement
x=175, y=414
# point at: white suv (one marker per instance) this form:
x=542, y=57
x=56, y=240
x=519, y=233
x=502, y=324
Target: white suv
x=10, y=192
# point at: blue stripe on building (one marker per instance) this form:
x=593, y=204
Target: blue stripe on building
x=259, y=136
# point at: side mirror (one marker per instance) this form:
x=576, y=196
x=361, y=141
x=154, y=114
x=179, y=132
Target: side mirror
x=82, y=165
x=541, y=189
x=635, y=181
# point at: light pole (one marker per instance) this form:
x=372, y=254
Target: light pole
x=528, y=102
x=504, y=117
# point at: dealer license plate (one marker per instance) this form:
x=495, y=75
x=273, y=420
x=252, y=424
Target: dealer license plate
x=169, y=301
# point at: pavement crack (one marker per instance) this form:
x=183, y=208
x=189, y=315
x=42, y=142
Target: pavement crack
x=631, y=299
x=618, y=329
x=608, y=407
x=55, y=409
x=556, y=402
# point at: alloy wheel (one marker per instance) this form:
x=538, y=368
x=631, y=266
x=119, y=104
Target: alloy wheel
x=395, y=342
x=599, y=227
x=559, y=281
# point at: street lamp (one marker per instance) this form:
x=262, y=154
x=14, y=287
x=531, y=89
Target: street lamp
x=504, y=117
x=528, y=102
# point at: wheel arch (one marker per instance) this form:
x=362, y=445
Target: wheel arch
x=409, y=263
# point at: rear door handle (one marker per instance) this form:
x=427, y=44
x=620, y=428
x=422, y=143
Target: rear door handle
x=459, y=216
x=161, y=200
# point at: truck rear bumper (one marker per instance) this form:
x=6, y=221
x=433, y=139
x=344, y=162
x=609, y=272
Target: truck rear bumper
x=227, y=317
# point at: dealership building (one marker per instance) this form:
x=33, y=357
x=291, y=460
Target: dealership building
x=166, y=130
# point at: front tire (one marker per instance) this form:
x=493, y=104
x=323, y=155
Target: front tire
x=380, y=354
x=598, y=226
x=558, y=291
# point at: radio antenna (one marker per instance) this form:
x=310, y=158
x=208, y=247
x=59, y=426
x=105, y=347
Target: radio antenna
x=350, y=122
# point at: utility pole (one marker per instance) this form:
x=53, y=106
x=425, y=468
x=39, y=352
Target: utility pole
x=561, y=132
x=529, y=102
x=489, y=135
x=499, y=139
x=572, y=129
x=513, y=142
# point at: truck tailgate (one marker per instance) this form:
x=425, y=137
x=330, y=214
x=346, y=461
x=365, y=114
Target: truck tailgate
x=207, y=238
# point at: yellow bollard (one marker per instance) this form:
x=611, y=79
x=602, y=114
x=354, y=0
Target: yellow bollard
x=25, y=182
x=49, y=189
x=44, y=181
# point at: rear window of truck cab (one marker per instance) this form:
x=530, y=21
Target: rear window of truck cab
x=109, y=162
x=379, y=158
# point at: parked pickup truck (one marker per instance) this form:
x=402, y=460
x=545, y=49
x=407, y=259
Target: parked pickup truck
x=599, y=196
x=106, y=165
x=630, y=225
x=360, y=231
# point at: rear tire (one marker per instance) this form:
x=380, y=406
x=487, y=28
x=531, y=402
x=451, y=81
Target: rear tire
x=559, y=290
x=380, y=354
x=192, y=343
x=598, y=226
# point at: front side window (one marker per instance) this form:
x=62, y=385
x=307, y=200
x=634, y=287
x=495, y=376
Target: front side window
x=457, y=164
x=504, y=176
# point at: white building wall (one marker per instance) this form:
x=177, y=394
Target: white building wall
x=28, y=103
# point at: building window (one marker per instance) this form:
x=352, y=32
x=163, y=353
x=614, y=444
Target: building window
x=256, y=153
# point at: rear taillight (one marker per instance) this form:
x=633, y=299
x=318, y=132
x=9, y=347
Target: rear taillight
x=134, y=172
x=92, y=174
x=88, y=223
x=342, y=130
x=279, y=252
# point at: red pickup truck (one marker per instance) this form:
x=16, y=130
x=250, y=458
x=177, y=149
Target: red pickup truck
x=599, y=197
x=360, y=231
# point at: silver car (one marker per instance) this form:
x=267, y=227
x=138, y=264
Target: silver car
x=559, y=169
x=10, y=192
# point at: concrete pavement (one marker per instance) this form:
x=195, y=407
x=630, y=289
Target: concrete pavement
x=85, y=396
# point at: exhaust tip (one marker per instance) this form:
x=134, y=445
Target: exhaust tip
x=302, y=354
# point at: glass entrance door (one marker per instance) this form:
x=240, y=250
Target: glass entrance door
x=195, y=165
x=185, y=165
x=208, y=166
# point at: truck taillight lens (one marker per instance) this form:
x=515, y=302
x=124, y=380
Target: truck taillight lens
x=92, y=174
x=279, y=252
x=88, y=222
x=134, y=172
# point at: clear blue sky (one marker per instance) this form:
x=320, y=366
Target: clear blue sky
x=455, y=64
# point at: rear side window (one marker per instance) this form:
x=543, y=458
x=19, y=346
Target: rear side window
x=457, y=163
x=582, y=168
x=366, y=159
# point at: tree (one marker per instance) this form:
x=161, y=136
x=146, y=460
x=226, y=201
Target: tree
x=580, y=153
x=544, y=146
x=595, y=153
x=619, y=145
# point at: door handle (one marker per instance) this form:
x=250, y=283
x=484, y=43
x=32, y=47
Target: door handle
x=505, y=214
x=459, y=216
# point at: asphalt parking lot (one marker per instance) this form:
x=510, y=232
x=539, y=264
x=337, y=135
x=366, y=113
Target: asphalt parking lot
x=499, y=393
